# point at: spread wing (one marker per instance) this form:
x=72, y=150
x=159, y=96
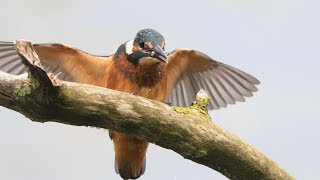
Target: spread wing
x=188, y=71
x=73, y=64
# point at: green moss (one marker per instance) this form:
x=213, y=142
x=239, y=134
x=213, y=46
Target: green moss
x=181, y=110
x=200, y=104
x=25, y=89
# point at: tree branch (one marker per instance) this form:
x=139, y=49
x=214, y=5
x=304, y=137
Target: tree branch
x=189, y=132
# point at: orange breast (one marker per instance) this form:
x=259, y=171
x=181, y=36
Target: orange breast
x=147, y=80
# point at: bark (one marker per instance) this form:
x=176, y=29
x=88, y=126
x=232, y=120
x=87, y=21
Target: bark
x=187, y=131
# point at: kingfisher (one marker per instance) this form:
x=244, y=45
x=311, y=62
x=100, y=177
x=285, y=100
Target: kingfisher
x=143, y=67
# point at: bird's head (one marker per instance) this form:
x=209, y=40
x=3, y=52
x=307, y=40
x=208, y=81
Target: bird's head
x=147, y=46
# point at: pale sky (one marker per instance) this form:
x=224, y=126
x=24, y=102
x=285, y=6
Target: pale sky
x=277, y=41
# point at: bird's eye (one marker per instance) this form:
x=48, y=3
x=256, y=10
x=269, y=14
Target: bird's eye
x=143, y=45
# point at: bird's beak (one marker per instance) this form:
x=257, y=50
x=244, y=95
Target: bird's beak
x=160, y=54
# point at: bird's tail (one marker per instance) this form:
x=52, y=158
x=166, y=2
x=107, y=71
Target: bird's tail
x=130, y=155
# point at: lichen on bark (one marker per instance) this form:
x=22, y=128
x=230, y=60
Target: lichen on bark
x=200, y=104
x=25, y=88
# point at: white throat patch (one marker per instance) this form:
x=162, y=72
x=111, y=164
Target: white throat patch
x=129, y=46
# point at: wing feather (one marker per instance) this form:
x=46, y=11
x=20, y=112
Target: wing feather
x=244, y=82
x=178, y=94
x=174, y=96
x=185, y=85
x=16, y=65
x=190, y=96
x=240, y=73
x=73, y=64
x=2, y=43
x=215, y=79
x=21, y=69
x=194, y=84
x=238, y=88
x=181, y=93
x=7, y=48
x=213, y=90
x=6, y=66
x=188, y=71
x=230, y=87
x=8, y=54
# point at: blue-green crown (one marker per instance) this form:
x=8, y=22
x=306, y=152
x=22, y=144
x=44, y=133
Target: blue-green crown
x=150, y=35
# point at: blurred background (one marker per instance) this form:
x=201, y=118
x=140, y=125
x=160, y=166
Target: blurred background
x=278, y=41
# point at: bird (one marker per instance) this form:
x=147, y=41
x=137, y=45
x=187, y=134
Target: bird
x=143, y=67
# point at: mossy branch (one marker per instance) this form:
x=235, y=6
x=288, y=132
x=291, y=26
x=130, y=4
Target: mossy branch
x=189, y=132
